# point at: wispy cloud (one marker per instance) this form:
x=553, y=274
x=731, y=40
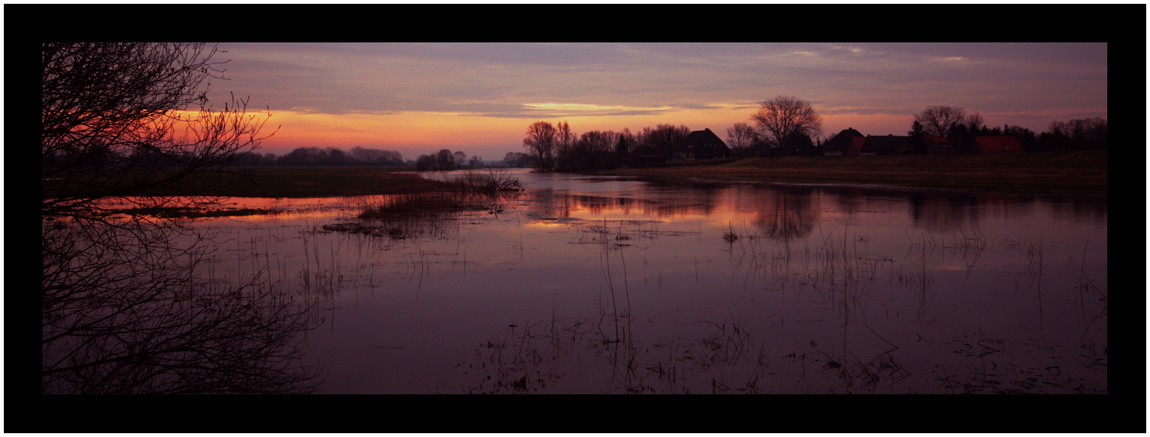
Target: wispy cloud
x=635, y=82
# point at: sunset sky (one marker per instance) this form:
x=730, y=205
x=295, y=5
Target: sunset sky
x=479, y=98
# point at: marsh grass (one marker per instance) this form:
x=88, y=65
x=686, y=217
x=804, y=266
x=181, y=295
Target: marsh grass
x=494, y=180
x=422, y=204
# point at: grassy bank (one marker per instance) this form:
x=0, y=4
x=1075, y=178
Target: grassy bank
x=1049, y=171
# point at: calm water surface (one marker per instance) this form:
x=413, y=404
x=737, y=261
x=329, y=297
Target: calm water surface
x=614, y=285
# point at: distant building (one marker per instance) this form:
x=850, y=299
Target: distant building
x=847, y=142
x=936, y=144
x=997, y=144
x=701, y=144
x=885, y=145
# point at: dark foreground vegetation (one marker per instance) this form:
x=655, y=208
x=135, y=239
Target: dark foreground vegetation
x=128, y=304
x=1084, y=171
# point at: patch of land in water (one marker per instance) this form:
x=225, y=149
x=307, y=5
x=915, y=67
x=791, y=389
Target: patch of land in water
x=1079, y=172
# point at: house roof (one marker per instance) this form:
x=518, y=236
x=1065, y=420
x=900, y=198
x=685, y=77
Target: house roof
x=1000, y=144
x=701, y=140
x=844, y=138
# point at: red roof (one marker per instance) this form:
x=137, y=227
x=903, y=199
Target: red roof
x=1003, y=144
x=931, y=139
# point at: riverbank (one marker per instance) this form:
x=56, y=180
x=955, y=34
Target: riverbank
x=1046, y=171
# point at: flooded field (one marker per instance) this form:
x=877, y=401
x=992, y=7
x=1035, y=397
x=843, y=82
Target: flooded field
x=612, y=285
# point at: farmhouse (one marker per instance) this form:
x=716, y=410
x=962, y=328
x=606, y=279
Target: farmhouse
x=847, y=142
x=936, y=144
x=701, y=144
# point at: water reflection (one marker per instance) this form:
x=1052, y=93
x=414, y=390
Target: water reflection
x=600, y=285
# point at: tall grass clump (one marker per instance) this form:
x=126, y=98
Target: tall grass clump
x=494, y=180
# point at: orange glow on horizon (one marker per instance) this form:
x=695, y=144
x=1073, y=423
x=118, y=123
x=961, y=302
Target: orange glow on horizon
x=416, y=133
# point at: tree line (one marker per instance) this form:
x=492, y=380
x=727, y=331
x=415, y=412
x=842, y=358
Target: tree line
x=555, y=147
x=789, y=126
x=446, y=160
x=960, y=128
x=324, y=156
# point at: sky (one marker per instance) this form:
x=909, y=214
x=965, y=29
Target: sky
x=479, y=98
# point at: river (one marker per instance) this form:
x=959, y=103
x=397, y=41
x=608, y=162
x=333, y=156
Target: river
x=590, y=284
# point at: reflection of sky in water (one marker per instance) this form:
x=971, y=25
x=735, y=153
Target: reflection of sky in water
x=820, y=276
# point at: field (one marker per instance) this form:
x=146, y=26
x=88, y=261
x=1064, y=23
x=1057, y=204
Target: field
x=1051, y=171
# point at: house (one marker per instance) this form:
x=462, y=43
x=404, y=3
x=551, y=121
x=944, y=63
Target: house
x=998, y=144
x=936, y=144
x=847, y=142
x=701, y=144
x=647, y=156
x=885, y=145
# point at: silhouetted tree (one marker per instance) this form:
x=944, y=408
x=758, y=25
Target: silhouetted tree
x=124, y=309
x=1026, y=137
x=917, y=141
x=797, y=144
x=593, y=151
x=564, y=138
x=445, y=160
x=663, y=137
x=1076, y=134
x=630, y=140
x=962, y=133
x=362, y=156
x=740, y=138
x=336, y=156
x=542, y=141
x=940, y=120
x=782, y=117
x=425, y=163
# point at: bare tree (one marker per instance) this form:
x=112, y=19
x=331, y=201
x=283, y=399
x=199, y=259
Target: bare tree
x=1078, y=134
x=664, y=137
x=940, y=120
x=593, y=151
x=445, y=160
x=541, y=141
x=124, y=106
x=563, y=135
x=124, y=306
x=740, y=137
x=786, y=117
